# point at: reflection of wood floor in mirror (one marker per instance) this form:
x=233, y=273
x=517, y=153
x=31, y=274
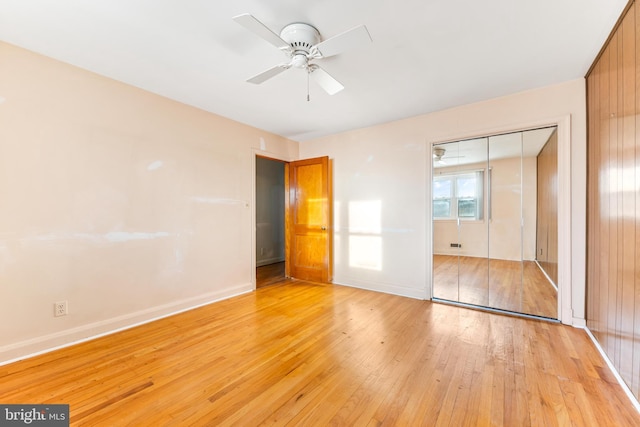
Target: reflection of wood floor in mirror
x=495, y=283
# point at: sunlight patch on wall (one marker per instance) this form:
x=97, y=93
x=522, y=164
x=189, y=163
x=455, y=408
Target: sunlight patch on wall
x=622, y=182
x=365, y=252
x=337, y=244
x=365, y=241
x=365, y=217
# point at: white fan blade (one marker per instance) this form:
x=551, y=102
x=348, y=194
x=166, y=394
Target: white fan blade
x=266, y=75
x=324, y=79
x=252, y=24
x=350, y=39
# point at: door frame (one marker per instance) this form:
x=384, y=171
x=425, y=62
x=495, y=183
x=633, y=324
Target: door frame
x=255, y=152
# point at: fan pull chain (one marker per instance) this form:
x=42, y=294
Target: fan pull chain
x=308, y=97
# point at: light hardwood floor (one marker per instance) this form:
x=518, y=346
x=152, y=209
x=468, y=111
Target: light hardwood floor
x=269, y=274
x=495, y=283
x=298, y=353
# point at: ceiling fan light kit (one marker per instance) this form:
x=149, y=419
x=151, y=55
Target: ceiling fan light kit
x=438, y=152
x=302, y=43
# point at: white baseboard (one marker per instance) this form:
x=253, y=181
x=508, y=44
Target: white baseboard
x=624, y=385
x=46, y=343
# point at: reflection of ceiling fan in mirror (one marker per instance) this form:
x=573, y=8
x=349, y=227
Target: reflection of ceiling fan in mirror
x=439, y=156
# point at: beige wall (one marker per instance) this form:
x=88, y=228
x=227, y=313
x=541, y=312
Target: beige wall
x=125, y=204
x=390, y=164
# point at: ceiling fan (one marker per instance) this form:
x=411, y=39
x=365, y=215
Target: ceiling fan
x=439, y=153
x=302, y=44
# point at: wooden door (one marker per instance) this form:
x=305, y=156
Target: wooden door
x=308, y=216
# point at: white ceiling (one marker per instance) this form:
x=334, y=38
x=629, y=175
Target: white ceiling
x=426, y=55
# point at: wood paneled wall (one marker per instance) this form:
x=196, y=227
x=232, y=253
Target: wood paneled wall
x=613, y=227
x=547, y=207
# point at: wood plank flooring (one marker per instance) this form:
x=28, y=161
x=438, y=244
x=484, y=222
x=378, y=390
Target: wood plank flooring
x=298, y=353
x=269, y=274
x=495, y=283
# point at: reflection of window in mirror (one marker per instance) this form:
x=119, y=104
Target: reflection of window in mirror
x=458, y=195
x=494, y=207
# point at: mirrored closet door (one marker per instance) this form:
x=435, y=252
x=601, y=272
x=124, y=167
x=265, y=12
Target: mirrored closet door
x=495, y=222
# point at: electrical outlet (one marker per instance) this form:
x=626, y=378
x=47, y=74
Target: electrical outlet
x=60, y=308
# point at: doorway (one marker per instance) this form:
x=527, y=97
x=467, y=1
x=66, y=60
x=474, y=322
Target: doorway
x=270, y=221
x=293, y=219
